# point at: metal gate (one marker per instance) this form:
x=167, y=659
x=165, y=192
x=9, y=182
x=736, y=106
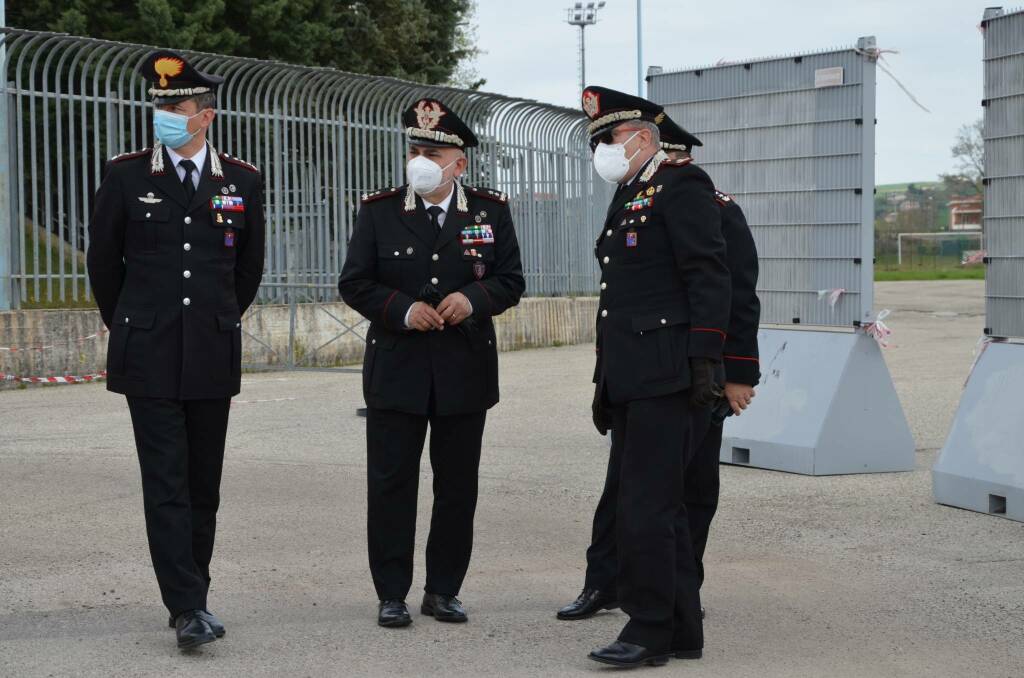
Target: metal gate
x=793, y=138
x=322, y=137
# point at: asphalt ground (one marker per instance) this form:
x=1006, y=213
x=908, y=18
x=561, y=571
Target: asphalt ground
x=836, y=576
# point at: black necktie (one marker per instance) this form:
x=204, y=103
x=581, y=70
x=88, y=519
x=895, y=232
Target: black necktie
x=435, y=213
x=186, y=183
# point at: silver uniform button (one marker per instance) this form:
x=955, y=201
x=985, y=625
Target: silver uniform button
x=664, y=322
x=607, y=259
x=186, y=301
x=436, y=257
x=148, y=215
x=604, y=286
x=433, y=281
x=188, y=220
x=604, y=313
x=187, y=274
x=187, y=247
x=608, y=233
x=396, y=253
x=126, y=320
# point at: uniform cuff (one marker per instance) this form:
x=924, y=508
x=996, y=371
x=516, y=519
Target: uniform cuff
x=706, y=343
x=478, y=297
x=742, y=370
x=396, y=310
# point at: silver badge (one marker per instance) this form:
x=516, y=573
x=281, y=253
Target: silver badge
x=232, y=188
x=149, y=199
x=483, y=214
x=224, y=190
x=478, y=219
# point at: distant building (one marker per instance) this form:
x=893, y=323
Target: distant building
x=965, y=214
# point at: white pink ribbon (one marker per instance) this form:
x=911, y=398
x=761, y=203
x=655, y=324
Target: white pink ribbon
x=878, y=329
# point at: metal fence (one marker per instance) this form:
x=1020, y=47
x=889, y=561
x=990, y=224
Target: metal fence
x=793, y=139
x=1004, y=172
x=322, y=137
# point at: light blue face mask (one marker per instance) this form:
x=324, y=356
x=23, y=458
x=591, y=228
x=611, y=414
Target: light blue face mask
x=171, y=129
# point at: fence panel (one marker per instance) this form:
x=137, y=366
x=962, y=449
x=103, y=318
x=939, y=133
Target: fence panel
x=1004, y=172
x=322, y=138
x=793, y=139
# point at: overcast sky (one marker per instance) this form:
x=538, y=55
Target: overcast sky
x=531, y=52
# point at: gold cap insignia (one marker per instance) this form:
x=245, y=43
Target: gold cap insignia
x=168, y=67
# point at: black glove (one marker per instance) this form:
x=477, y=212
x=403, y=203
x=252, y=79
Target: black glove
x=703, y=389
x=602, y=418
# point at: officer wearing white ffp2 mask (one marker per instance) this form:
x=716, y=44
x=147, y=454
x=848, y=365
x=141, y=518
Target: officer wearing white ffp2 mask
x=430, y=264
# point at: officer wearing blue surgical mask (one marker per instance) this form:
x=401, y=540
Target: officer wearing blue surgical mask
x=175, y=258
x=430, y=264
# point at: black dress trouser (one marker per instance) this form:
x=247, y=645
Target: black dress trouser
x=180, y=444
x=394, y=442
x=663, y=478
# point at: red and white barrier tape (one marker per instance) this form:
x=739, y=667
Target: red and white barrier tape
x=67, y=379
x=73, y=342
x=878, y=330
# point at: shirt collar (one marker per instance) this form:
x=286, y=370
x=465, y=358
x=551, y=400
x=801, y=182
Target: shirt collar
x=199, y=158
x=444, y=204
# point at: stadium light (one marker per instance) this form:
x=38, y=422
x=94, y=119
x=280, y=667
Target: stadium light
x=583, y=15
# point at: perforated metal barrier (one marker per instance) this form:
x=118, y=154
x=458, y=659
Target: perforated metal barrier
x=793, y=139
x=1004, y=173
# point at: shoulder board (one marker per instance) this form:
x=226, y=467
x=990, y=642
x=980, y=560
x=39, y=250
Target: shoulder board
x=723, y=198
x=238, y=161
x=380, y=193
x=678, y=162
x=490, y=194
x=130, y=154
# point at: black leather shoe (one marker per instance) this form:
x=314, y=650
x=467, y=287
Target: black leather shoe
x=443, y=608
x=627, y=655
x=393, y=614
x=589, y=603
x=215, y=624
x=192, y=631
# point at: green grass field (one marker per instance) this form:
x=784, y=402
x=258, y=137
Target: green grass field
x=963, y=273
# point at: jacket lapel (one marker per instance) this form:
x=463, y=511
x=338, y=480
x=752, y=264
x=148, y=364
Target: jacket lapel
x=209, y=181
x=416, y=219
x=456, y=219
x=163, y=175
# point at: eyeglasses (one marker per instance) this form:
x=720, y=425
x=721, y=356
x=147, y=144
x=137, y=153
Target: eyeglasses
x=608, y=136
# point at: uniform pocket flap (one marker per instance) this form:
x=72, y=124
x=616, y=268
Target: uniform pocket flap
x=228, y=321
x=142, y=320
x=227, y=219
x=154, y=212
x=392, y=250
x=654, y=321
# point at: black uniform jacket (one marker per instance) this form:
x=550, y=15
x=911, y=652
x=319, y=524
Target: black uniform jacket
x=172, y=279
x=394, y=252
x=740, y=352
x=664, y=282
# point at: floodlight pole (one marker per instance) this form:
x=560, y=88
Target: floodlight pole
x=639, y=52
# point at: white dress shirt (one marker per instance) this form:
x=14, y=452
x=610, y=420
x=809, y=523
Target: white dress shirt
x=199, y=159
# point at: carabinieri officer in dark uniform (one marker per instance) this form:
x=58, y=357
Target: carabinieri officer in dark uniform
x=741, y=374
x=175, y=257
x=664, y=308
x=430, y=264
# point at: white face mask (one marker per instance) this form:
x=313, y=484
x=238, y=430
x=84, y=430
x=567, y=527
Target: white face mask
x=610, y=161
x=425, y=175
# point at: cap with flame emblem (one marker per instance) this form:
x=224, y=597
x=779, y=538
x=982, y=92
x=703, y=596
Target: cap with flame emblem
x=428, y=122
x=174, y=79
x=607, y=108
